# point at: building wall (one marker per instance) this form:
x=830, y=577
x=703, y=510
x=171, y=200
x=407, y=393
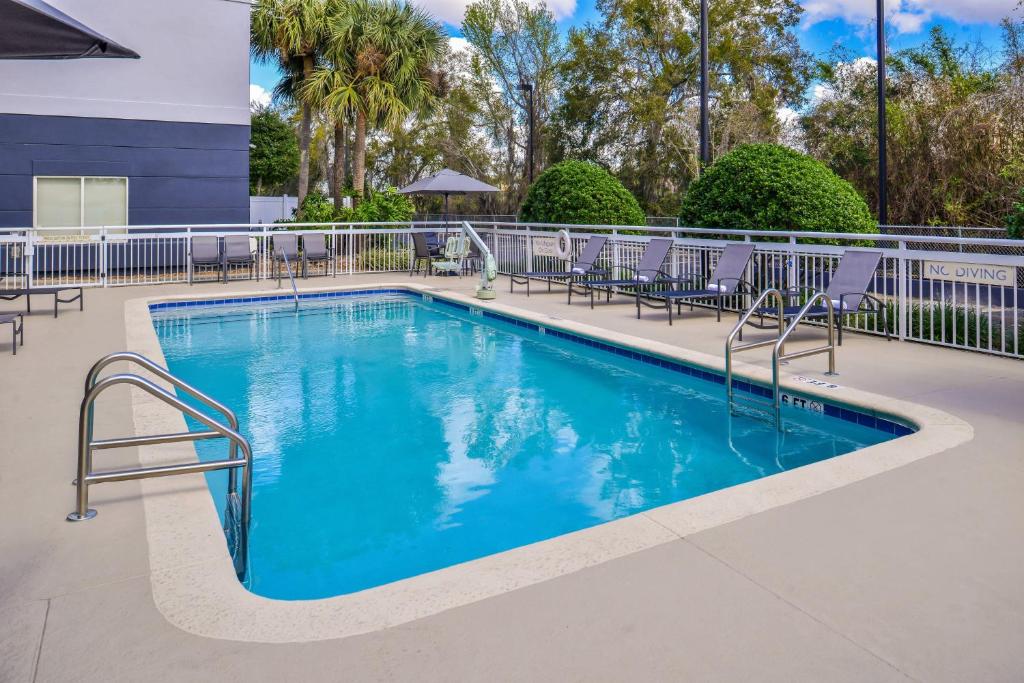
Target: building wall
x=175, y=122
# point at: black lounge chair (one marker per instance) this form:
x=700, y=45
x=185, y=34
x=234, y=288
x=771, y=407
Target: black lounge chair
x=285, y=247
x=314, y=250
x=237, y=253
x=647, y=271
x=422, y=253
x=847, y=292
x=17, y=322
x=205, y=254
x=581, y=267
x=726, y=280
x=56, y=290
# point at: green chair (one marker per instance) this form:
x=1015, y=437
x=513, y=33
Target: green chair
x=455, y=252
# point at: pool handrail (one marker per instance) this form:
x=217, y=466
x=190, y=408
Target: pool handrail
x=86, y=444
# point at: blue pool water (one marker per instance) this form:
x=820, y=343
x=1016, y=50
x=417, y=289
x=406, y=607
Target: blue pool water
x=393, y=436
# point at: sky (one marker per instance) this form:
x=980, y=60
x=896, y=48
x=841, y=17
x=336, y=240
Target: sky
x=825, y=24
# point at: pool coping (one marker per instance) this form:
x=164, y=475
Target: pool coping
x=193, y=580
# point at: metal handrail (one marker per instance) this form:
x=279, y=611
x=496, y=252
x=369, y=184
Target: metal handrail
x=287, y=266
x=779, y=354
x=140, y=360
x=86, y=445
x=729, y=349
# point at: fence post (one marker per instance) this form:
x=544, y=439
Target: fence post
x=902, y=292
x=30, y=258
x=529, y=250
x=103, y=256
x=351, y=248
x=616, y=256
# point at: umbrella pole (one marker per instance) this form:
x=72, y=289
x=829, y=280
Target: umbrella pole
x=446, y=216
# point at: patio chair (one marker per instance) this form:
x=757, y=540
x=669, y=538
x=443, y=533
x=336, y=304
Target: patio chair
x=285, y=247
x=455, y=252
x=314, y=250
x=581, y=267
x=847, y=292
x=422, y=253
x=726, y=280
x=647, y=271
x=17, y=322
x=237, y=252
x=205, y=254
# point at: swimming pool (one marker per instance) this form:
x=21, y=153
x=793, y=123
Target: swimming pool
x=393, y=435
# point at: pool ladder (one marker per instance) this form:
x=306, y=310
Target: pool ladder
x=238, y=511
x=287, y=266
x=778, y=344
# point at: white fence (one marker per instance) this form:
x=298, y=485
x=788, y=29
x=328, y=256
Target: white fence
x=969, y=308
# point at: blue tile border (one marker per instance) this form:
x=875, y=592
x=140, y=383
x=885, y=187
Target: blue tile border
x=834, y=410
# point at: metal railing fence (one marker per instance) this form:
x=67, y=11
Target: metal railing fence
x=983, y=314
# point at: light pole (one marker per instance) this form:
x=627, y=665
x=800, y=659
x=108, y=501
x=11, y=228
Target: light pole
x=527, y=88
x=705, y=126
x=883, y=166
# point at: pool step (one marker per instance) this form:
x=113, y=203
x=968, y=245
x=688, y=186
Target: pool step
x=751, y=406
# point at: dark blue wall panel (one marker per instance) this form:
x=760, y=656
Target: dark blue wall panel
x=178, y=172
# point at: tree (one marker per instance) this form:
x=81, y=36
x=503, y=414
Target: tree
x=956, y=129
x=380, y=56
x=771, y=187
x=289, y=32
x=274, y=153
x=515, y=43
x=632, y=80
x=581, y=193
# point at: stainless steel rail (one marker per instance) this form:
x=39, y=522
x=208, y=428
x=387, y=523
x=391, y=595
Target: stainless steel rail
x=779, y=354
x=738, y=330
x=287, y=266
x=86, y=445
x=778, y=344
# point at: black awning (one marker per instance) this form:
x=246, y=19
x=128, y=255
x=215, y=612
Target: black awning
x=32, y=29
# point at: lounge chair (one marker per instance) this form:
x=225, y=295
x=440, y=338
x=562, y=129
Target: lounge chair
x=205, y=254
x=726, y=280
x=56, y=290
x=422, y=253
x=455, y=252
x=647, y=271
x=581, y=267
x=285, y=247
x=314, y=250
x=847, y=292
x=17, y=322
x=237, y=252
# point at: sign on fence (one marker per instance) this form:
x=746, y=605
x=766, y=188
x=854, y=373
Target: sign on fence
x=545, y=246
x=972, y=273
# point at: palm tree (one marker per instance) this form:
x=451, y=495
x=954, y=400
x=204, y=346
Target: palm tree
x=290, y=33
x=378, y=67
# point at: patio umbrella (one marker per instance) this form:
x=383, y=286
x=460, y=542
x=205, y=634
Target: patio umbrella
x=32, y=29
x=447, y=182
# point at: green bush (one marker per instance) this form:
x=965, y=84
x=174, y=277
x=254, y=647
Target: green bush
x=383, y=258
x=771, y=187
x=316, y=208
x=1015, y=221
x=384, y=206
x=580, y=193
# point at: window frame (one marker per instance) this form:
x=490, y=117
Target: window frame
x=81, y=202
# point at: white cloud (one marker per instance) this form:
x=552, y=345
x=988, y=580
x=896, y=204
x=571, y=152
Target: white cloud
x=458, y=45
x=908, y=16
x=452, y=11
x=258, y=96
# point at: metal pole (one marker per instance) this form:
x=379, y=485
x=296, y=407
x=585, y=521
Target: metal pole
x=530, y=174
x=883, y=171
x=705, y=127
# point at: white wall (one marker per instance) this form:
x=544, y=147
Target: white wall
x=270, y=209
x=194, y=65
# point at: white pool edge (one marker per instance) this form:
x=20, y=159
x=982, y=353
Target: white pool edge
x=195, y=587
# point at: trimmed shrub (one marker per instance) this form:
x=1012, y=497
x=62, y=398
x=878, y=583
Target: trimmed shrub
x=580, y=193
x=771, y=187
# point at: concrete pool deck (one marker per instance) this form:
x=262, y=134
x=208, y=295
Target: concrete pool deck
x=915, y=572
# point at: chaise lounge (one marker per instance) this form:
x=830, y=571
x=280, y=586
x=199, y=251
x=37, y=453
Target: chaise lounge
x=583, y=266
x=726, y=280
